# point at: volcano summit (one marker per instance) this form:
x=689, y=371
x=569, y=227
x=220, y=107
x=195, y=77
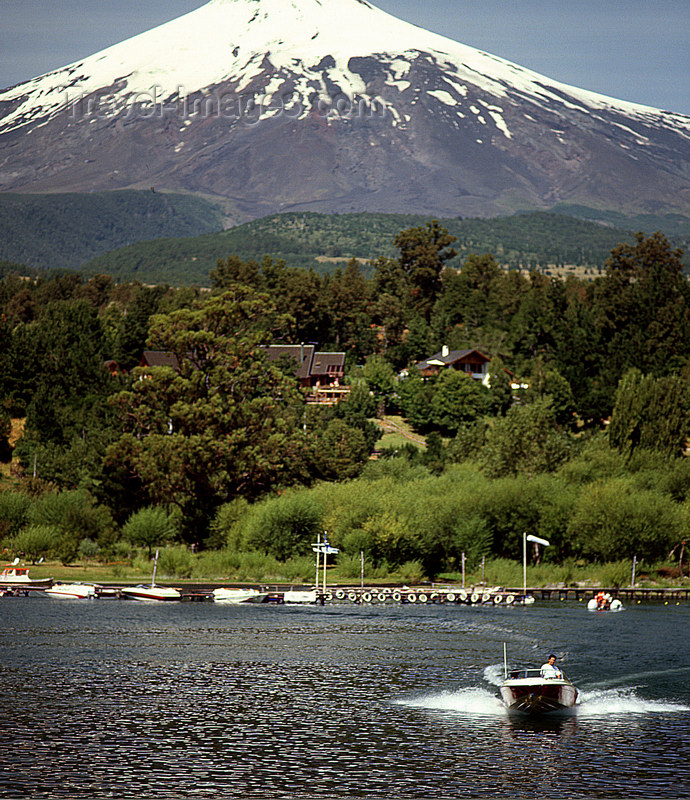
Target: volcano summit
x=334, y=105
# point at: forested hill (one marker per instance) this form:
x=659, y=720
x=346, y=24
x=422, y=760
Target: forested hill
x=320, y=241
x=62, y=231
x=169, y=238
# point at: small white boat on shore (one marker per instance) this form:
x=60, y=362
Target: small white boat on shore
x=151, y=591
x=237, y=596
x=73, y=591
x=15, y=577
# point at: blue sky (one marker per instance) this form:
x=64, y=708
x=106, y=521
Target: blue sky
x=629, y=49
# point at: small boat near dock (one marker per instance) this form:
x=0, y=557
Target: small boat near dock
x=15, y=577
x=151, y=591
x=604, y=602
x=237, y=596
x=72, y=591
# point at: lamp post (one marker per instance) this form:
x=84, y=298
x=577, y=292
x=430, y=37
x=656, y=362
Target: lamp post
x=323, y=548
x=528, y=538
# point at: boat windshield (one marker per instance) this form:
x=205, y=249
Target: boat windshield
x=531, y=674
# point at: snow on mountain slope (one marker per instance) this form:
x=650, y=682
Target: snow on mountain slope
x=334, y=105
x=231, y=38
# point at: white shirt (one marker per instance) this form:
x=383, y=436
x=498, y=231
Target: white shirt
x=550, y=671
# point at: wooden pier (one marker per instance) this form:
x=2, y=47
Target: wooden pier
x=629, y=594
x=427, y=594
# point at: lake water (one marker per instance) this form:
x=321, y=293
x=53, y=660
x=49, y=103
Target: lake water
x=108, y=698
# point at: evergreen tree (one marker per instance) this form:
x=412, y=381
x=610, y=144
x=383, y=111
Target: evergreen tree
x=224, y=423
x=423, y=253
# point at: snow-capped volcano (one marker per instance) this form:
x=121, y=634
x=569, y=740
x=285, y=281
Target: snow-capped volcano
x=333, y=105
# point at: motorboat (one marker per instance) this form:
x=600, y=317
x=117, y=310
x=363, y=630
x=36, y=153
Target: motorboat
x=527, y=691
x=15, y=577
x=604, y=602
x=304, y=596
x=74, y=591
x=237, y=596
x=151, y=591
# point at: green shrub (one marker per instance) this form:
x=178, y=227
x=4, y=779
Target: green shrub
x=411, y=572
x=149, y=527
x=285, y=526
x=177, y=562
x=14, y=508
x=37, y=541
x=616, y=574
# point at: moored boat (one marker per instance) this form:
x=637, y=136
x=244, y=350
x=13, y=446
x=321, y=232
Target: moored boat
x=15, y=577
x=303, y=596
x=237, y=596
x=151, y=591
x=75, y=591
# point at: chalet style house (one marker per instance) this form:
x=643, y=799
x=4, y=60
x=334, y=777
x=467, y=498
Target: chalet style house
x=159, y=358
x=320, y=373
x=472, y=362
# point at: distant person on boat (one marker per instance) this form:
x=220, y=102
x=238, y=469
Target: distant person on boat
x=550, y=670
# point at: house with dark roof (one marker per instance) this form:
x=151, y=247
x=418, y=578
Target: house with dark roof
x=320, y=372
x=473, y=362
x=159, y=358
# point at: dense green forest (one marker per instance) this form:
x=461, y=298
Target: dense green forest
x=580, y=435
x=63, y=231
x=533, y=240
x=161, y=237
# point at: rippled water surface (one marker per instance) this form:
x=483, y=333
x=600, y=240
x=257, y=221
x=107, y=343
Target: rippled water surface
x=124, y=699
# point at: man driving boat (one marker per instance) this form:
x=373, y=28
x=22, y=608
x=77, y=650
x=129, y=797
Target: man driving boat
x=550, y=670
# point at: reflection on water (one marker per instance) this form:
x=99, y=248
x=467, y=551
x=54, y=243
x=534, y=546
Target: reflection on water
x=109, y=699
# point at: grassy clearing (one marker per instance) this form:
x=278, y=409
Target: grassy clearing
x=397, y=432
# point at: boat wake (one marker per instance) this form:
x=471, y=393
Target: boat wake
x=609, y=702
x=592, y=703
x=474, y=702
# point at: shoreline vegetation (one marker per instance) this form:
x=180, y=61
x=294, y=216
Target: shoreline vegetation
x=207, y=568
x=426, y=469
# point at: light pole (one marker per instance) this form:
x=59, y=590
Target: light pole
x=323, y=548
x=528, y=538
